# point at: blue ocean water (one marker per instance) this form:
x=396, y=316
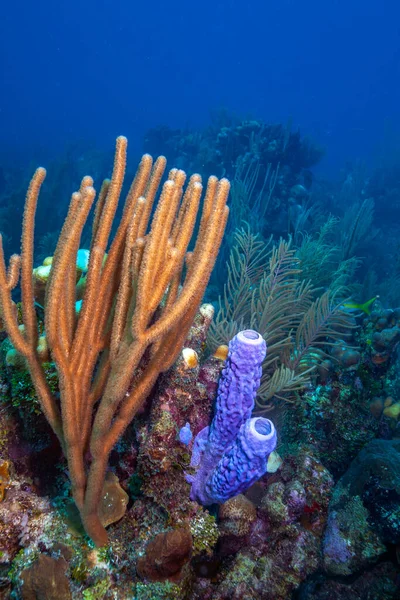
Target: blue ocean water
x=95, y=69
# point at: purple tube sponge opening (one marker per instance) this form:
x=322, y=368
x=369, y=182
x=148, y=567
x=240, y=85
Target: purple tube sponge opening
x=232, y=453
x=260, y=436
x=250, y=336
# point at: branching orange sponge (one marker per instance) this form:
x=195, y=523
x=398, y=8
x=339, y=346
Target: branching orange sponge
x=142, y=290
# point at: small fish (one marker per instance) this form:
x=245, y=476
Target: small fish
x=355, y=307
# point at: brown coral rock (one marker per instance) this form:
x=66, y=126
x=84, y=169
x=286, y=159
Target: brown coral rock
x=236, y=516
x=46, y=580
x=165, y=555
x=183, y=395
x=113, y=502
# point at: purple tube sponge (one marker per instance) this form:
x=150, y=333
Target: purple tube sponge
x=232, y=453
x=244, y=462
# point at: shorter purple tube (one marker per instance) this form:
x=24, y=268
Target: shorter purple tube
x=244, y=463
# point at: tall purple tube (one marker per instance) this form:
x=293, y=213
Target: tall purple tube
x=232, y=453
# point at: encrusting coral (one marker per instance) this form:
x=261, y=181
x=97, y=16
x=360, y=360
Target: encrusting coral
x=136, y=311
x=165, y=555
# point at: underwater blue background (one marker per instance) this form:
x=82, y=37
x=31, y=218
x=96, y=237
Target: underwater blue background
x=95, y=69
x=296, y=103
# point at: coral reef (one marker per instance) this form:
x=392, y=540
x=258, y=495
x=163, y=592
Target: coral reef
x=354, y=396
x=364, y=513
x=270, y=541
x=147, y=555
x=379, y=582
x=192, y=511
x=184, y=396
x=221, y=147
x=350, y=542
x=273, y=538
x=265, y=543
